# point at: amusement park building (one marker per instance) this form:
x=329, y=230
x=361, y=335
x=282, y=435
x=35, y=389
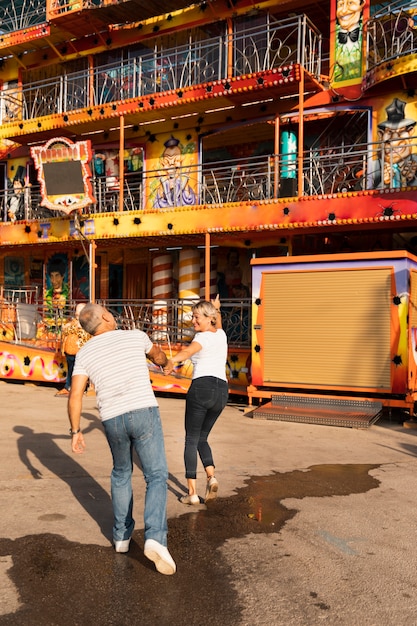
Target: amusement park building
x=162, y=148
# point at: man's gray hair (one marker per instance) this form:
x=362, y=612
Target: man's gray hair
x=91, y=318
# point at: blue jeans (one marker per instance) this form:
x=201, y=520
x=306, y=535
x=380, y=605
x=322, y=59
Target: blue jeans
x=140, y=430
x=206, y=399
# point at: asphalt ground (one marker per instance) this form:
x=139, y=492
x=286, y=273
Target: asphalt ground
x=313, y=524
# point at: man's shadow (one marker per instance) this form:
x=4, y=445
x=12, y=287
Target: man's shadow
x=89, y=493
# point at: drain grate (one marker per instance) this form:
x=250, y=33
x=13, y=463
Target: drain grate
x=331, y=411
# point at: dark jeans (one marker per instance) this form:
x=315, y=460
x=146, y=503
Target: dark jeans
x=206, y=399
x=70, y=363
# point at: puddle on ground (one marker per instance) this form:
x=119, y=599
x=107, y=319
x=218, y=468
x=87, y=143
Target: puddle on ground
x=60, y=582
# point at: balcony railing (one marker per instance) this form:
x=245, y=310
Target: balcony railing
x=330, y=170
x=359, y=167
x=165, y=321
x=16, y=16
x=169, y=321
x=391, y=33
x=61, y=7
x=294, y=40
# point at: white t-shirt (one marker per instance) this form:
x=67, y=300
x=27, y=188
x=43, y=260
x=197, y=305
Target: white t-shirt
x=211, y=359
x=115, y=362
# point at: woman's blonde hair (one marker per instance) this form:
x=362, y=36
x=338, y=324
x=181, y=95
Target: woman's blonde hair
x=207, y=309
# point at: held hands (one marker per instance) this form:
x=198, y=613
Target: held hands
x=169, y=367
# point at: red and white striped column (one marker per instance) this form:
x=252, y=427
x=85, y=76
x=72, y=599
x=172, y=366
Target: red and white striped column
x=188, y=286
x=162, y=289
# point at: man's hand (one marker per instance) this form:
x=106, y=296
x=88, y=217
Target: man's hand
x=157, y=356
x=78, y=443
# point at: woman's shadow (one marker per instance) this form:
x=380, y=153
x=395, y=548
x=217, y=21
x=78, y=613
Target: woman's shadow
x=89, y=493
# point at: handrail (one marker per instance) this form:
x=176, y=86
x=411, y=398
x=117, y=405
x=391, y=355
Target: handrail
x=32, y=13
x=254, y=50
x=326, y=170
x=391, y=34
x=165, y=321
x=169, y=320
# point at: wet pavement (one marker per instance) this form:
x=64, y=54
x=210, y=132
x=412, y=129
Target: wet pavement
x=313, y=524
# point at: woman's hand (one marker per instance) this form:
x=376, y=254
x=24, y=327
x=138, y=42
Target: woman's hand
x=216, y=302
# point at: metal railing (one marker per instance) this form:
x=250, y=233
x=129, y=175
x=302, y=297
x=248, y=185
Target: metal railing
x=231, y=181
x=169, y=321
x=391, y=33
x=294, y=40
x=26, y=317
x=61, y=7
x=327, y=170
x=16, y=16
x=358, y=167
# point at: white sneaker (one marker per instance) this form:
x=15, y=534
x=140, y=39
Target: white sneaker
x=212, y=489
x=156, y=552
x=194, y=499
x=122, y=546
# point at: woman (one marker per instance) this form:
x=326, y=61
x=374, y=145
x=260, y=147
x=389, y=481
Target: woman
x=207, y=395
x=73, y=338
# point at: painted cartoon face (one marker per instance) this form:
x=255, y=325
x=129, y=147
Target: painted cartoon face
x=348, y=13
x=171, y=160
x=397, y=143
x=56, y=280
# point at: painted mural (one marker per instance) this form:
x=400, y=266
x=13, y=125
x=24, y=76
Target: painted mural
x=176, y=180
x=57, y=290
x=348, y=17
x=395, y=165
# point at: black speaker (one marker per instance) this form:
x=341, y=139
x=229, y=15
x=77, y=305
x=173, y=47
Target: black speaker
x=287, y=187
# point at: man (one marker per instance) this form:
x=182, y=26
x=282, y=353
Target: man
x=396, y=166
x=348, y=54
x=16, y=208
x=130, y=416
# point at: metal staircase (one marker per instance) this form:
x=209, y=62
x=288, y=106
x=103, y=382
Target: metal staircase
x=329, y=411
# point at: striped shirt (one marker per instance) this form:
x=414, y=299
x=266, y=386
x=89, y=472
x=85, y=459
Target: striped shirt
x=115, y=362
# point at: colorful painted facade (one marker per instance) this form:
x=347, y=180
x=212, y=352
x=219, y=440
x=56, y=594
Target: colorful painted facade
x=213, y=133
